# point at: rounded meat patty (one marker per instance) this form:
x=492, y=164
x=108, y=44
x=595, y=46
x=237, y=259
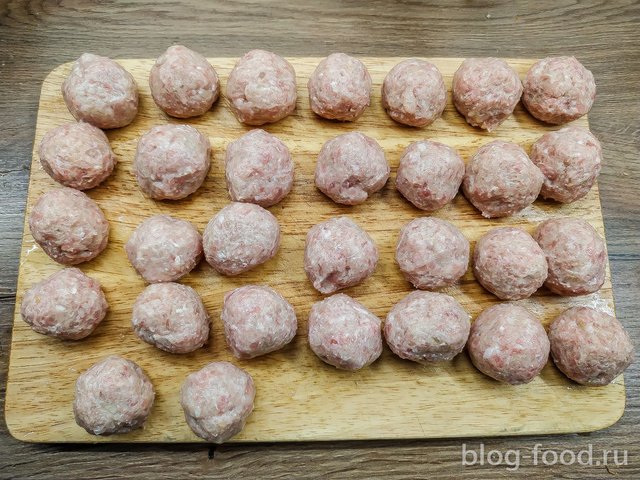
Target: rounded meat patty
x=343, y=333
x=575, y=253
x=509, y=263
x=262, y=88
x=67, y=305
x=590, y=347
x=413, y=93
x=171, y=316
x=171, y=161
x=340, y=88
x=69, y=226
x=486, y=91
x=100, y=92
x=183, y=84
x=338, y=254
x=164, y=249
x=429, y=174
x=508, y=344
x=501, y=180
x=113, y=396
x=77, y=155
x=427, y=327
x=257, y=320
x=558, y=90
x=351, y=167
x=240, y=237
x=432, y=253
x=258, y=169
x=570, y=161
x=217, y=400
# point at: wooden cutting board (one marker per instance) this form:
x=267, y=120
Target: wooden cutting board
x=298, y=396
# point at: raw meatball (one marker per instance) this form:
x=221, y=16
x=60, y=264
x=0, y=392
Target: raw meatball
x=171, y=317
x=558, y=90
x=217, y=401
x=183, y=84
x=413, y=93
x=257, y=320
x=240, y=237
x=99, y=91
x=262, y=88
x=501, y=180
x=590, y=347
x=343, y=333
x=429, y=174
x=340, y=88
x=77, y=155
x=575, y=253
x=113, y=396
x=164, y=249
x=69, y=226
x=258, y=168
x=508, y=344
x=351, y=167
x=509, y=263
x=570, y=161
x=67, y=305
x=338, y=254
x=172, y=161
x=427, y=327
x=485, y=91
x=432, y=253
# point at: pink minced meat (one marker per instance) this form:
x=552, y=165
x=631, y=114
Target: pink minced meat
x=508, y=343
x=100, y=92
x=217, y=400
x=343, y=333
x=351, y=167
x=69, y=226
x=67, y=305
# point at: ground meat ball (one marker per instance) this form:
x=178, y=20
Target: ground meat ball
x=340, y=88
x=427, y=327
x=351, y=167
x=113, y=396
x=99, y=91
x=171, y=317
x=508, y=344
x=570, y=161
x=558, y=90
x=217, y=400
x=257, y=320
x=413, y=93
x=172, y=161
x=501, y=180
x=69, y=226
x=77, y=155
x=432, y=253
x=343, y=333
x=164, y=249
x=509, y=263
x=485, y=91
x=590, y=347
x=575, y=253
x=183, y=84
x=240, y=237
x=429, y=174
x=262, y=88
x=67, y=305
x=258, y=168
x=338, y=254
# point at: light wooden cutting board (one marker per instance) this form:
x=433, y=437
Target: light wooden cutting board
x=298, y=396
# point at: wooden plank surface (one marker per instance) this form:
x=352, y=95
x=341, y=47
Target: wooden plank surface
x=299, y=397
